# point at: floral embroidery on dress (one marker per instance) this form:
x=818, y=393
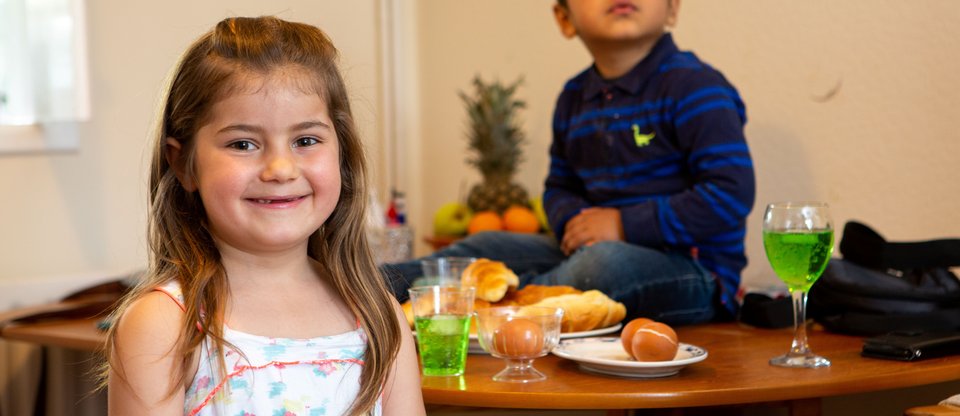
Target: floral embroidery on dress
x=279, y=376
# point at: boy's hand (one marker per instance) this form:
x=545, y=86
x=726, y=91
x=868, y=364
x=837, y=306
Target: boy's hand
x=592, y=225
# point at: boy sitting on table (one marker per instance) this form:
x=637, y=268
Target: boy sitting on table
x=650, y=178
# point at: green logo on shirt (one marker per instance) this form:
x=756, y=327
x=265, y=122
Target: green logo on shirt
x=642, y=139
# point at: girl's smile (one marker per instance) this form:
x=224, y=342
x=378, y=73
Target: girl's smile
x=278, y=202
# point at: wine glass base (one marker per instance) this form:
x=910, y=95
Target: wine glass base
x=513, y=374
x=800, y=361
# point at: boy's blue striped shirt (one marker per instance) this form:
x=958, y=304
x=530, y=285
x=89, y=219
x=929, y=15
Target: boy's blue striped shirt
x=664, y=144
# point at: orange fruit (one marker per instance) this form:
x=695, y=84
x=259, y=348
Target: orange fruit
x=520, y=219
x=485, y=221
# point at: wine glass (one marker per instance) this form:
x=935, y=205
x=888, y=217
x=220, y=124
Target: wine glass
x=798, y=239
x=519, y=334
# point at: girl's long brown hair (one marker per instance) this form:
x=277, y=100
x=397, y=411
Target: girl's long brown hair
x=181, y=247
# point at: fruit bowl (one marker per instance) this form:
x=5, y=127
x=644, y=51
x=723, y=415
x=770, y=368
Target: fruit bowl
x=519, y=334
x=438, y=242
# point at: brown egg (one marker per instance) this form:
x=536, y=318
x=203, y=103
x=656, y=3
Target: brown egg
x=654, y=342
x=626, y=336
x=518, y=338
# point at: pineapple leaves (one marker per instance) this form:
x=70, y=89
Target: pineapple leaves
x=493, y=131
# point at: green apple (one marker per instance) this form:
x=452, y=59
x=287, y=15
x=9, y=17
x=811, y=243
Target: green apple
x=537, y=205
x=452, y=219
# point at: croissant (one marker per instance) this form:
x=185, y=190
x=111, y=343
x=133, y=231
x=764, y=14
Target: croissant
x=491, y=278
x=532, y=293
x=586, y=311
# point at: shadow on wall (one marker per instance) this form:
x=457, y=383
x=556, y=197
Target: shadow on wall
x=783, y=167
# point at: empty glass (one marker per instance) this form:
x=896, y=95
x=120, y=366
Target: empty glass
x=444, y=271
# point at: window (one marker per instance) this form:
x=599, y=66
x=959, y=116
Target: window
x=43, y=72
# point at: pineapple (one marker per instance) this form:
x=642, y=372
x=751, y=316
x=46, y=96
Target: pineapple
x=495, y=138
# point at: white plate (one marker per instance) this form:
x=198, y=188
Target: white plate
x=591, y=333
x=475, y=348
x=606, y=356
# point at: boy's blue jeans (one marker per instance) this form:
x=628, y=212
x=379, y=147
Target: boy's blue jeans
x=665, y=287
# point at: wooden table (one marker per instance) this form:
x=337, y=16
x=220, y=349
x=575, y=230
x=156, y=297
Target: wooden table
x=736, y=372
x=68, y=323
x=78, y=334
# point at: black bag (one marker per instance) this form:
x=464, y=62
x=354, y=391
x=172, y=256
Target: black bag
x=881, y=287
x=762, y=311
x=912, y=346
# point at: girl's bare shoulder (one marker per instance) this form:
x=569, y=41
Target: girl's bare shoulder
x=144, y=357
x=151, y=323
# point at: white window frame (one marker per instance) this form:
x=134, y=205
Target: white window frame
x=47, y=43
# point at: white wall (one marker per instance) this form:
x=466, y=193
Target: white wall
x=883, y=149
x=83, y=213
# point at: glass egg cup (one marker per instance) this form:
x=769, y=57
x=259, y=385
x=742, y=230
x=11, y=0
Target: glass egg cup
x=519, y=334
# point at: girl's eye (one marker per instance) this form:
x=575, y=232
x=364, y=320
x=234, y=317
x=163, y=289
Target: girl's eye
x=242, y=145
x=305, y=141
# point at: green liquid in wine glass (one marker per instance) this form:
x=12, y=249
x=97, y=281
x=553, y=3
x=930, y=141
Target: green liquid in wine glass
x=798, y=258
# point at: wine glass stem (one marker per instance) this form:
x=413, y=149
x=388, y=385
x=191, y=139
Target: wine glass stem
x=799, y=346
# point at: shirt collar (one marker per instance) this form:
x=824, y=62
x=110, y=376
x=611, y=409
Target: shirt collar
x=634, y=79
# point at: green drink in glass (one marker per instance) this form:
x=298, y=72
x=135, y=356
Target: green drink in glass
x=798, y=258
x=442, y=340
x=442, y=316
x=798, y=239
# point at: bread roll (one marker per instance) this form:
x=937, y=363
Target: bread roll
x=615, y=313
x=586, y=311
x=491, y=278
x=531, y=294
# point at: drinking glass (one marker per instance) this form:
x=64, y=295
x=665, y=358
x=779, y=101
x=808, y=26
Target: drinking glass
x=443, y=271
x=798, y=239
x=519, y=334
x=442, y=316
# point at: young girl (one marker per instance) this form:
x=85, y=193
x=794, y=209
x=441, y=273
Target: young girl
x=262, y=297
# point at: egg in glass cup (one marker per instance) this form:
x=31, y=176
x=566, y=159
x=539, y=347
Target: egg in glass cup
x=519, y=334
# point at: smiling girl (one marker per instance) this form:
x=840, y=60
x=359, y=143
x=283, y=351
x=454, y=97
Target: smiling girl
x=262, y=296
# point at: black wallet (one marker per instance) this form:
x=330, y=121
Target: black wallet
x=912, y=346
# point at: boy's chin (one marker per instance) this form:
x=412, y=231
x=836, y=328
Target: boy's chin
x=625, y=36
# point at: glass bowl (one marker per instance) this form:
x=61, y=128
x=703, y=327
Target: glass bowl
x=519, y=334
